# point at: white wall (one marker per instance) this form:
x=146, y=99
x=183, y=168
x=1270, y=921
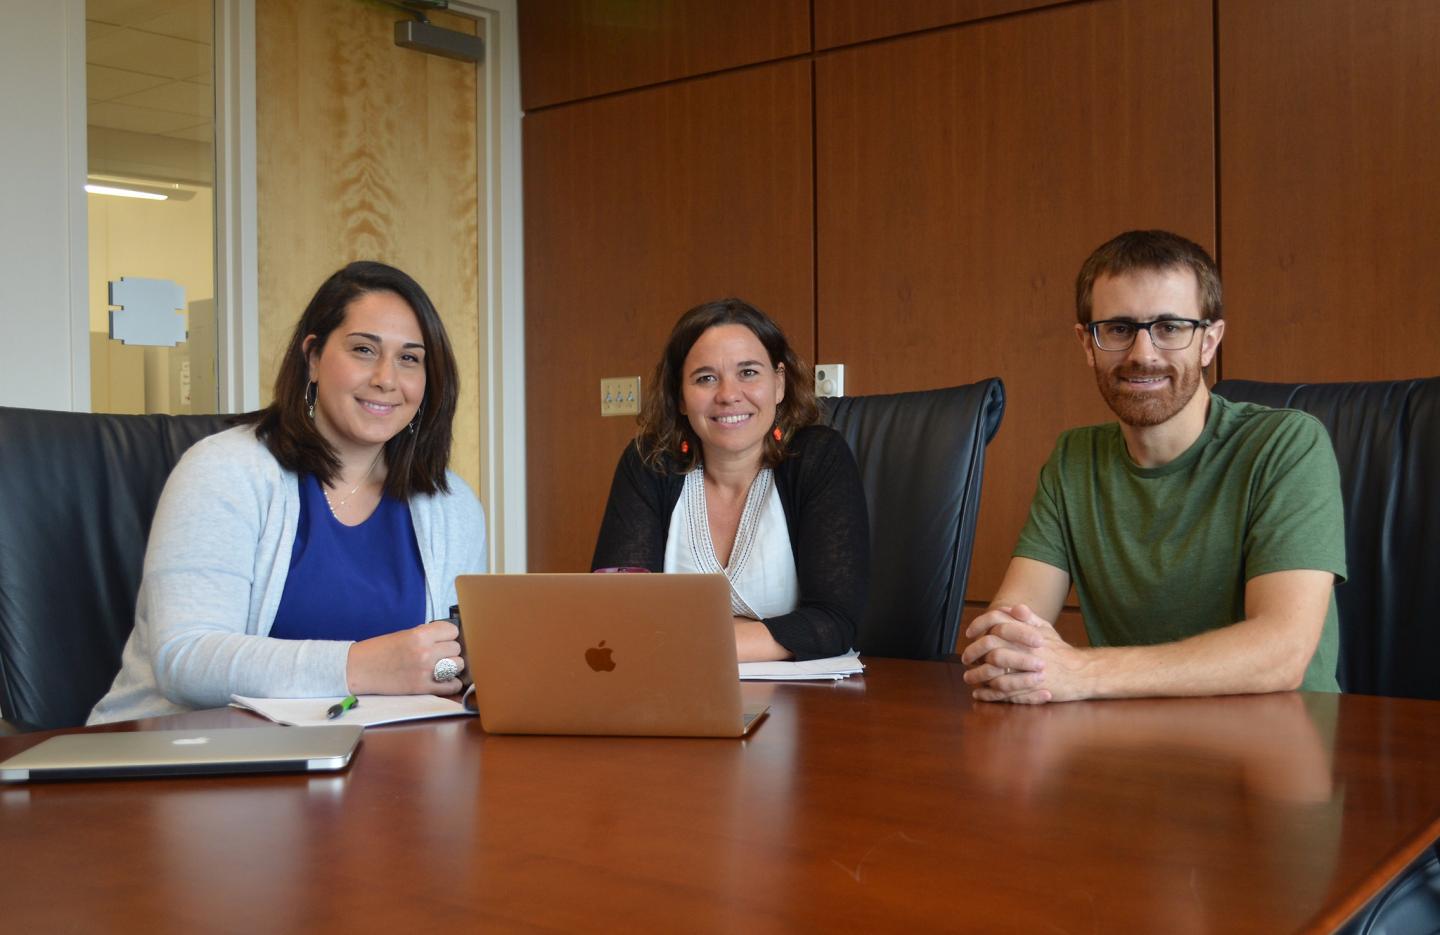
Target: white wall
x=43, y=316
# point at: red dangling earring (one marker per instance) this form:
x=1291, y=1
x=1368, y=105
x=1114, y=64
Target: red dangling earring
x=777, y=433
x=684, y=446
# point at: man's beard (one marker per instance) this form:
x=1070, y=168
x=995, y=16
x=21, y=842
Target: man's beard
x=1146, y=409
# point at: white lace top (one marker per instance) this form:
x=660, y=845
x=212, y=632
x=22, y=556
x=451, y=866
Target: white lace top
x=763, y=582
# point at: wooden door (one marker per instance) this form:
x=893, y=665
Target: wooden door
x=366, y=150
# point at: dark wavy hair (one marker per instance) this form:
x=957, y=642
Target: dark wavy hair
x=415, y=461
x=1149, y=251
x=663, y=428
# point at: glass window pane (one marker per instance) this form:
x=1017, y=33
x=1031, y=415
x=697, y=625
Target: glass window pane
x=151, y=119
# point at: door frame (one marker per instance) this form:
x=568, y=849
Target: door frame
x=501, y=313
x=237, y=309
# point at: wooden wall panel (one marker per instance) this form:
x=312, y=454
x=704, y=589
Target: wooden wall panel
x=1330, y=188
x=637, y=207
x=964, y=175
x=841, y=22
x=571, y=49
x=365, y=151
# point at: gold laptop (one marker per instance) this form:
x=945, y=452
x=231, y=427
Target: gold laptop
x=618, y=654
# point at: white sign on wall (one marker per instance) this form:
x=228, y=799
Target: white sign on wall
x=149, y=312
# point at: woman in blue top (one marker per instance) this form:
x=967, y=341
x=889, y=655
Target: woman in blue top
x=302, y=553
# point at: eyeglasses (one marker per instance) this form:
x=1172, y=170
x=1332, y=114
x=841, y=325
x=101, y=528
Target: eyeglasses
x=1167, y=334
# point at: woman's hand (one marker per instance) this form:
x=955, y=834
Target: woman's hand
x=403, y=663
x=753, y=642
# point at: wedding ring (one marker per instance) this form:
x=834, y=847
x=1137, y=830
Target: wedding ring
x=445, y=670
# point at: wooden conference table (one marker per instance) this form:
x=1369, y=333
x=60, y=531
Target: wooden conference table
x=888, y=803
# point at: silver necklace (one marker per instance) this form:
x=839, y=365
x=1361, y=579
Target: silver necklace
x=333, y=505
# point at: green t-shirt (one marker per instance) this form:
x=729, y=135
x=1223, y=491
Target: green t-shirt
x=1161, y=554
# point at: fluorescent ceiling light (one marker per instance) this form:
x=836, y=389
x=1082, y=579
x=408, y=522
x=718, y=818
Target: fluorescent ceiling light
x=124, y=192
x=137, y=188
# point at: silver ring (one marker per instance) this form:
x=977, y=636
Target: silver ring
x=445, y=670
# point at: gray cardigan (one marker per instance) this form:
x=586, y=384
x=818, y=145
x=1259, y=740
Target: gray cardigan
x=215, y=568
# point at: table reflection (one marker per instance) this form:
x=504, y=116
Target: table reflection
x=1195, y=788
x=1279, y=745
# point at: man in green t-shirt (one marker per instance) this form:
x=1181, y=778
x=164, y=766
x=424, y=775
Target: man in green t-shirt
x=1204, y=537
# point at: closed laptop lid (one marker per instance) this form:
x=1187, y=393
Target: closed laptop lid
x=638, y=654
x=117, y=754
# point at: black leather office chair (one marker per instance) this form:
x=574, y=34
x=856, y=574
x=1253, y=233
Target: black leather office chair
x=1387, y=440
x=77, y=493
x=921, y=457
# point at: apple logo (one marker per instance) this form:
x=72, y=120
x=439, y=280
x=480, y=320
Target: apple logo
x=598, y=658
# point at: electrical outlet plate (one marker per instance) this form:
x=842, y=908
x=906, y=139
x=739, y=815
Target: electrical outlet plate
x=620, y=396
x=829, y=379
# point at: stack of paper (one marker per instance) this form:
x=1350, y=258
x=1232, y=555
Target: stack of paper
x=369, y=711
x=836, y=667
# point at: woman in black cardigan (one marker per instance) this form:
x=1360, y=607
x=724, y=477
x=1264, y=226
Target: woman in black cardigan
x=732, y=473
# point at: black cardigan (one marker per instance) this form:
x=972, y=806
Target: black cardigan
x=824, y=504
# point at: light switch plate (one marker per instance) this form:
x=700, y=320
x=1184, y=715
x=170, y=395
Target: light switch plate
x=620, y=396
x=829, y=379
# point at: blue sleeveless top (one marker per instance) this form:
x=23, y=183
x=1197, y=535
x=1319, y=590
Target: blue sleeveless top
x=350, y=582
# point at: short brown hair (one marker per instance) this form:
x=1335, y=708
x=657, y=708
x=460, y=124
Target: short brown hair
x=1150, y=251
x=663, y=428
x=415, y=461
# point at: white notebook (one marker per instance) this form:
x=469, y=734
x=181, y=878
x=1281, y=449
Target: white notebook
x=370, y=710
x=832, y=668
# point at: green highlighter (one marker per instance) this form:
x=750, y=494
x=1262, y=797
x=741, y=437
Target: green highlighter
x=340, y=708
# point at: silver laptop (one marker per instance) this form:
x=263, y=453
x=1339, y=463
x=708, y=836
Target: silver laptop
x=128, y=754
x=619, y=654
